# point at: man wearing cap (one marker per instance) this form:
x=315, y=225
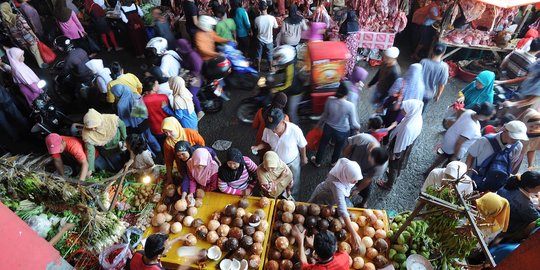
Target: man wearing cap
x=70, y=147
x=387, y=75
x=511, y=136
x=435, y=73
x=287, y=140
x=515, y=66
x=155, y=246
x=462, y=134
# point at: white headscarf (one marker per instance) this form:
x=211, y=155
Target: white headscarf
x=97, y=67
x=410, y=127
x=348, y=173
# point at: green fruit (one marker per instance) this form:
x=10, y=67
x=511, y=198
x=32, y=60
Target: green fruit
x=425, y=254
x=394, y=226
x=414, y=246
x=398, y=218
x=389, y=234
x=391, y=253
x=403, y=264
x=424, y=248
x=395, y=264
x=401, y=239
x=400, y=257
x=412, y=251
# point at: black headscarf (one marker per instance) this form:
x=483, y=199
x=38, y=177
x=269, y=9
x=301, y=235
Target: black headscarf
x=61, y=12
x=225, y=173
x=183, y=146
x=293, y=17
x=350, y=25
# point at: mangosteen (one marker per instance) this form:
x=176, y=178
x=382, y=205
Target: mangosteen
x=301, y=209
x=230, y=210
x=243, y=203
x=248, y=230
x=246, y=242
x=231, y=244
x=310, y=222
x=323, y=224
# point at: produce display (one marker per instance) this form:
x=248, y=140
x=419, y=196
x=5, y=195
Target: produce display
x=372, y=226
x=471, y=37
x=413, y=240
x=231, y=229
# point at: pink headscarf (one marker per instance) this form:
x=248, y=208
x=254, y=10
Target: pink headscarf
x=201, y=156
x=21, y=72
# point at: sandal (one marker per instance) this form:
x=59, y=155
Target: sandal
x=383, y=185
x=313, y=161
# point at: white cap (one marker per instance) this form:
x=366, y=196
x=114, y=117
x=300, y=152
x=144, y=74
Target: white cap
x=516, y=130
x=391, y=52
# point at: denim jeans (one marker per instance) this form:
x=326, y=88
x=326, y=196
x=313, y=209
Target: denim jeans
x=339, y=139
x=269, y=47
x=292, y=107
x=295, y=169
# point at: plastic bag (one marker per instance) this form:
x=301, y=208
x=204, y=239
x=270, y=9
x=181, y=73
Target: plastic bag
x=46, y=53
x=313, y=137
x=121, y=252
x=40, y=224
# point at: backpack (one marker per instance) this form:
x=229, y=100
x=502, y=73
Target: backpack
x=421, y=14
x=493, y=173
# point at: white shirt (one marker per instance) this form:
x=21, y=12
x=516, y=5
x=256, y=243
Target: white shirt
x=288, y=144
x=466, y=127
x=481, y=149
x=266, y=25
x=165, y=89
x=436, y=176
x=170, y=66
x=128, y=9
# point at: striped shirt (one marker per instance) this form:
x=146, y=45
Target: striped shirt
x=516, y=64
x=236, y=187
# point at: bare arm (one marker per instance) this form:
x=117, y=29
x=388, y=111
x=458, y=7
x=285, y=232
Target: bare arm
x=512, y=81
x=59, y=165
x=530, y=159
x=470, y=161
x=84, y=169
x=60, y=233
x=300, y=236
x=440, y=90
x=461, y=140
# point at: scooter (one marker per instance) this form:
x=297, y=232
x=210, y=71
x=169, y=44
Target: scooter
x=242, y=77
x=212, y=93
x=66, y=88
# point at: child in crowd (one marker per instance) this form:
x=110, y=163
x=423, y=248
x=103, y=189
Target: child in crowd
x=376, y=129
x=140, y=155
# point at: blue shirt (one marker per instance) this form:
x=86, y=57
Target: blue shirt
x=186, y=119
x=241, y=20
x=522, y=210
x=434, y=11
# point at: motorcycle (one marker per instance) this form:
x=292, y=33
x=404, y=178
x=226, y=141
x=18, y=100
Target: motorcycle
x=212, y=93
x=242, y=77
x=49, y=119
x=67, y=89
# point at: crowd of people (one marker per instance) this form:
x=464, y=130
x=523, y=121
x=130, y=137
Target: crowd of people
x=155, y=118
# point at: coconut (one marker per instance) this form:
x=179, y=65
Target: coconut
x=369, y=231
x=214, y=253
x=212, y=237
x=248, y=230
x=285, y=265
x=371, y=253
x=188, y=220
x=258, y=237
x=225, y=220
x=243, y=203
x=236, y=232
x=237, y=222
x=192, y=211
x=264, y=202
x=198, y=202
x=161, y=208
x=301, y=209
x=368, y=242
x=261, y=213
x=298, y=219
x=314, y=209
x=381, y=246
x=341, y=235
x=263, y=226
x=254, y=261
x=323, y=224
x=380, y=261
x=240, y=212
x=213, y=225
x=231, y=244
x=380, y=233
x=221, y=242
x=335, y=225
x=310, y=222
x=289, y=206
x=246, y=242
x=282, y=242
x=230, y=210
x=254, y=220
x=160, y=219
x=274, y=254
x=176, y=227
x=201, y=232
x=199, y=193
x=181, y=205
x=197, y=222
x=358, y=263
x=273, y=265
x=344, y=247
x=287, y=217
x=285, y=229
x=191, y=240
x=164, y=228
x=223, y=230
x=239, y=254
x=287, y=253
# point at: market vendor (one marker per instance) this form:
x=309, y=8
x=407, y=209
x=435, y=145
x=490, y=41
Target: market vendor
x=71, y=148
x=336, y=189
x=275, y=178
x=515, y=65
x=324, y=244
x=184, y=151
x=202, y=171
x=453, y=171
x=478, y=91
x=529, y=92
x=108, y=133
x=523, y=212
x=156, y=245
x=175, y=133
x=234, y=176
x=495, y=211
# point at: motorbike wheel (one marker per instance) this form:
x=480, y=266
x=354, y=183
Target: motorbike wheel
x=212, y=105
x=246, y=112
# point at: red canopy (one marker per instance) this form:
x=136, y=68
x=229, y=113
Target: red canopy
x=328, y=50
x=509, y=3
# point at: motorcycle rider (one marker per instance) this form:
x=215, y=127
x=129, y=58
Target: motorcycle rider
x=284, y=62
x=170, y=60
x=74, y=63
x=206, y=38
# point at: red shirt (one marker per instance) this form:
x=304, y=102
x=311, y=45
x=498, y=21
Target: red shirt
x=339, y=262
x=379, y=134
x=74, y=147
x=137, y=263
x=156, y=114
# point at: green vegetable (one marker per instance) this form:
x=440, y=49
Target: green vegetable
x=400, y=257
x=391, y=253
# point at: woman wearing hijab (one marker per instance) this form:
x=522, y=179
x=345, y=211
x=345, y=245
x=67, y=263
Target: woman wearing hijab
x=234, y=175
x=202, y=171
x=183, y=152
x=131, y=109
x=454, y=170
x=119, y=77
x=132, y=15
x=23, y=75
x=107, y=133
x=70, y=25
x=275, y=177
x=182, y=106
x=99, y=22
x=193, y=62
x=20, y=32
x=495, y=211
x=402, y=140
x=531, y=118
x=350, y=25
x=175, y=133
x=519, y=191
x=478, y=91
x=409, y=87
x=336, y=189
x=103, y=74
x=291, y=29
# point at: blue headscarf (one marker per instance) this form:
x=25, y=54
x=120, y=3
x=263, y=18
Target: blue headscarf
x=412, y=84
x=126, y=102
x=475, y=96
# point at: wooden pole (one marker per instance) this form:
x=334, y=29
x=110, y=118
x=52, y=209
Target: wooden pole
x=523, y=20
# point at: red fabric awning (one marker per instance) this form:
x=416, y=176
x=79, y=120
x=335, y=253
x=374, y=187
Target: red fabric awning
x=509, y=3
x=328, y=50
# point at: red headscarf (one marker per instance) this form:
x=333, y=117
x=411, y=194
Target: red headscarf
x=530, y=35
x=93, y=9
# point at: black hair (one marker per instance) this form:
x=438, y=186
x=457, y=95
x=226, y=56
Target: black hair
x=220, y=11
x=529, y=179
x=137, y=143
x=343, y=90
x=375, y=122
x=325, y=245
x=116, y=70
x=535, y=45
x=439, y=48
x=128, y=2
x=484, y=108
x=506, y=118
x=263, y=6
x=379, y=155
x=148, y=84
